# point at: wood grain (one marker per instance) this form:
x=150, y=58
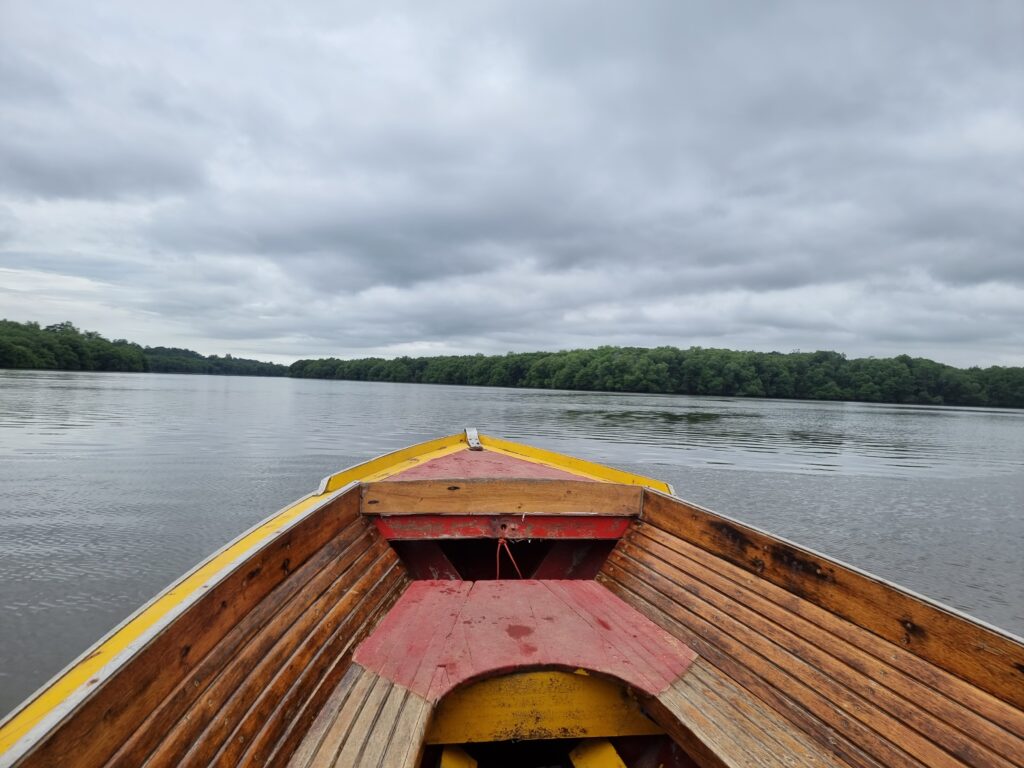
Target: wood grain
x=987, y=659
x=500, y=497
x=722, y=722
x=248, y=639
x=368, y=722
x=866, y=664
x=869, y=700
x=99, y=726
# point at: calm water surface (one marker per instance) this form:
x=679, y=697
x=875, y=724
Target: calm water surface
x=112, y=485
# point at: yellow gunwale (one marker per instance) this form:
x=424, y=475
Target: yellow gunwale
x=147, y=620
x=572, y=464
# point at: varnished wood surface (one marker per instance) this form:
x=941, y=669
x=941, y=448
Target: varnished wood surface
x=240, y=676
x=989, y=660
x=722, y=724
x=869, y=699
x=368, y=722
x=500, y=497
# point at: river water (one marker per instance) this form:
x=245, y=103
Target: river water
x=112, y=485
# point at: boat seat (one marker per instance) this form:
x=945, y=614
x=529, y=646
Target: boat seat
x=442, y=639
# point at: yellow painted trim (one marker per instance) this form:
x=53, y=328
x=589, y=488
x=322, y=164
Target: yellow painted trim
x=22, y=721
x=396, y=462
x=572, y=464
x=538, y=705
x=25, y=719
x=453, y=757
x=596, y=753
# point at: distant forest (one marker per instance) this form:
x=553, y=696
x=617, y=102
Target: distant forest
x=65, y=348
x=699, y=371
x=668, y=370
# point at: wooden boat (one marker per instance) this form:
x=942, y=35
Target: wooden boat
x=471, y=601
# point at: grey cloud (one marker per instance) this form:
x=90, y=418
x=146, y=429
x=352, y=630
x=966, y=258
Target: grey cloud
x=342, y=176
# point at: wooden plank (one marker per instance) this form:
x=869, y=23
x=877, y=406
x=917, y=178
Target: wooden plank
x=767, y=658
x=596, y=753
x=500, y=497
x=286, y=728
x=884, y=654
x=813, y=714
x=456, y=757
x=992, y=661
x=573, y=560
x=482, y=464
x=200, y=734
x=425, y=560
x=249, y=639
x=121, y=702
x=340, y=723
x=282, y=729
x=537, y=705
x=282, y=699
x=407, y=741
x=378, y=739
x=432, y=527
x=441, y=634
x=362, y=727
x=350, y=688
x=707, y=688
x=960, y=731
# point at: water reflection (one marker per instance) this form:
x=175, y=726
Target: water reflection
x=113, y=485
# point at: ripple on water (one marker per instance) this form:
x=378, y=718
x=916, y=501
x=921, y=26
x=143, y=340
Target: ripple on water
x=113, y=485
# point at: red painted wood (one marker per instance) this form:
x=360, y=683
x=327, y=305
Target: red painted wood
x=467, y=465
x=426, y=560
x=573, y=560
x=441, y=634
x=412, y=527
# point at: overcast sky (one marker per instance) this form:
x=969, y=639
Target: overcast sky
x=302, y=180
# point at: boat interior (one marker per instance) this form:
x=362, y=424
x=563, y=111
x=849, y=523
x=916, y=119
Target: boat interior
x=475, y=602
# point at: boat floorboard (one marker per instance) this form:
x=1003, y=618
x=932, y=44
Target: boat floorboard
x=368, y=722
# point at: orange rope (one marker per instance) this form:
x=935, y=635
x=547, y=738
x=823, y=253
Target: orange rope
x=497, y=559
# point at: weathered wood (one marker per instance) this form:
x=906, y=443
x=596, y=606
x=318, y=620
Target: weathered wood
x=958, y=729
x=249, y=708
x=538, y=705
x=444, y=633
x=500, y=497
x=779, y=691
x=354, y=745
x=407, y=740
x=91, y=734
x=419, y=527
x=238, y=644
x=464, y=465
x=740, y=720
x=955, y=689
x=198, y=736
x=573, y=560
x=351, y=686
x=337, y=653
x=777, y=663
x=987, y=659
x=598, y=753
x=326, y=666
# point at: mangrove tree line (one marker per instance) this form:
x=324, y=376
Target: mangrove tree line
x=699, y=371
x=668, y=370
x=63, y=347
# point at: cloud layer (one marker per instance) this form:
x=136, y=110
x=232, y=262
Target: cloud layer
x=353, y=179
